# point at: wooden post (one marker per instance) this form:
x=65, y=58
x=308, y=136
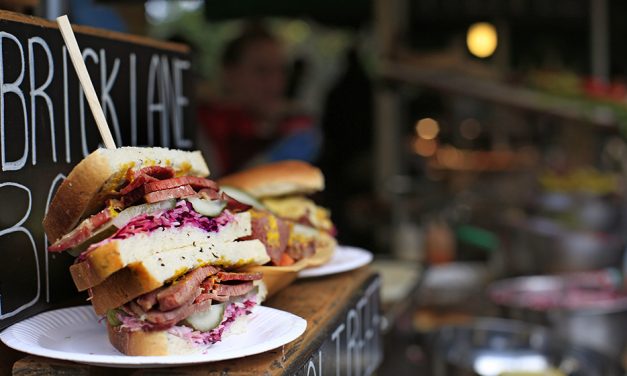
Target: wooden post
x=388, y=27
x=599, y=40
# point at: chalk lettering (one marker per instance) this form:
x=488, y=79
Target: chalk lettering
x=152, y=105
x=106, y=84
x=320, y=361
x=165, y=88
x=311, y=368
x=180, y=101
x=19, y=228
x=41, y=93
x=133, y=97
x=12, y=88
x=335, y=337
x=360, y=307
x=352, y=338
x=353, y=348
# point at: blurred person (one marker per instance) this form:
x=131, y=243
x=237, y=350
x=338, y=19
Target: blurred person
x=253, y=122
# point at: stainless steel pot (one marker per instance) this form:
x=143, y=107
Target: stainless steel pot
x=490, y=347
x=601, y=326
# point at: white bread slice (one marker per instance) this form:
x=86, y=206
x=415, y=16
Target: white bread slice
x=154, y=271
x=118, y=253
x=160, y=342
x=91, y=180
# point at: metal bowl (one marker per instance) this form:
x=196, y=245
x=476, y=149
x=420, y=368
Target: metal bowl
x=491, y=347
x=599, y=324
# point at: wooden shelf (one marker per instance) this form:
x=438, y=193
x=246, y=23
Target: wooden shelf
x=599, y=114
x=328, y=304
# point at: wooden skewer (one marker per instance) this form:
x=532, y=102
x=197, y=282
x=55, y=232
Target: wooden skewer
x=83, y=76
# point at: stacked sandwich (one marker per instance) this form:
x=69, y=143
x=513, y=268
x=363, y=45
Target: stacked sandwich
x=157, y=244
x=294, y=229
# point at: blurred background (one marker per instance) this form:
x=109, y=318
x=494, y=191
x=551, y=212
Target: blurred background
x=477, y=147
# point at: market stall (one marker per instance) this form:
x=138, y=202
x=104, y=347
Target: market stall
x=329, y=320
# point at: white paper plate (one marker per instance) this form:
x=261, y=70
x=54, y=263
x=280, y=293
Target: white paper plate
x=344, y=259
x=75, y=334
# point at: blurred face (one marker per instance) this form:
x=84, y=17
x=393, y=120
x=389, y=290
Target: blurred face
x=257, y=81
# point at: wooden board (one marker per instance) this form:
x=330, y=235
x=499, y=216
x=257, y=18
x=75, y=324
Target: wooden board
x=330, y=305
x=145, y=87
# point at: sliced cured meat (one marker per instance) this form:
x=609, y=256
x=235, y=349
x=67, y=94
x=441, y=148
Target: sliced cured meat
x=82, y=232
x=149, y=300
x=136, y=309
x=202, y=298
x=185, y=296
x=166, y=194
x=234, y=290
x=134, y=191
x=184, y=289
x=133, y=196
x=300, y=249
x=207, y=284
x=159, y=172
x=211, y=296
x=272, y=231
x=233, y=205
x=170, y=318
x=137, y=183
x=230, y=276
x=209, y=194
x=192, y=181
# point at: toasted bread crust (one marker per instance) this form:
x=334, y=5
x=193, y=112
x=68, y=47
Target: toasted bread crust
x=74, y=195
x=277, y=179
x=99, y=264
x=139, y=342
x=121, y=287
x=85, y=188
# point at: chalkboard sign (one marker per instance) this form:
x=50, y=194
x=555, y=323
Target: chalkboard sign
x=46, y=128
x=354, y=345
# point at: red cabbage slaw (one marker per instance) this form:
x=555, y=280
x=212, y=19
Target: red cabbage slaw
x=233, y=311
x=182, y=215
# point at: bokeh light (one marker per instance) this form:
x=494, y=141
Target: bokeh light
x=482, y=39
x=427, y=128
x=425, y=148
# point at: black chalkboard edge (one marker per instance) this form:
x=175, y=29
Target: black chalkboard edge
x=131, y=38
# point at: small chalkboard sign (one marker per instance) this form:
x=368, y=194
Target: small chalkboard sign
x=354, y=345
x=144, y=87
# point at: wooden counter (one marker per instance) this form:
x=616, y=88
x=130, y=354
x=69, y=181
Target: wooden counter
x=342, y=336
